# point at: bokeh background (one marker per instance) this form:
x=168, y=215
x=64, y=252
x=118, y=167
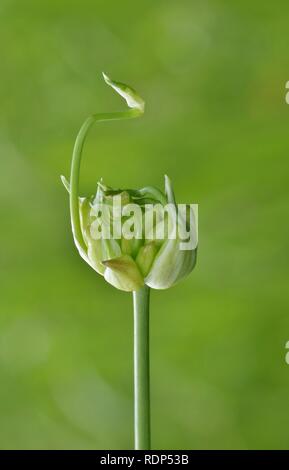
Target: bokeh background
x=213, y=75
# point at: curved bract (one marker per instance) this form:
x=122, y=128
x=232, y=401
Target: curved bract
x=137, y=108
x=126, y=263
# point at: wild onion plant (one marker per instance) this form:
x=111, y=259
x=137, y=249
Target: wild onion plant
x=153, y=248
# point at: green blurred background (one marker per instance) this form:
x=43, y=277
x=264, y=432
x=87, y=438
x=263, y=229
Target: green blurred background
x=213, y=75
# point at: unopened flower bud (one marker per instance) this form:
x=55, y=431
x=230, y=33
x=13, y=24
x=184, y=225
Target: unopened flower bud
x=156, y=246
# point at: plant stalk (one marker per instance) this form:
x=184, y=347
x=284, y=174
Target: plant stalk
x=141, y=369
x=75, y=169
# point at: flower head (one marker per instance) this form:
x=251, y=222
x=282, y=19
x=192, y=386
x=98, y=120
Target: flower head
x=131, y=237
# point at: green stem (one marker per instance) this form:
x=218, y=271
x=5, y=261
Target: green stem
x=75, y=168
x=141, y=369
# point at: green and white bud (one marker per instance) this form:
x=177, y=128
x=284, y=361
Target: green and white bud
x=150, y=247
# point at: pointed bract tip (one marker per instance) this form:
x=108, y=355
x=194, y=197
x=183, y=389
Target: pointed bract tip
x=169, y=190
x=167, y=179
x=65, y=183
x=132, y=99
x=106, y=77
x=168, y=183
